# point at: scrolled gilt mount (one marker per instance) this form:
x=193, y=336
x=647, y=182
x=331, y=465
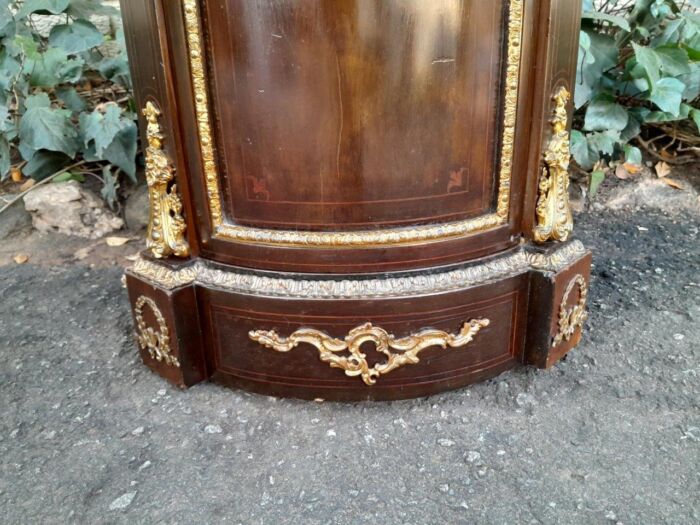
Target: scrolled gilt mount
x=554, y=218
x=356, y=363
x=166, y=227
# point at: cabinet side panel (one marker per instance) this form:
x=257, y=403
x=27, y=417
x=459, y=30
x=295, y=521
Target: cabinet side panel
x=557, y=52
x=149, y=60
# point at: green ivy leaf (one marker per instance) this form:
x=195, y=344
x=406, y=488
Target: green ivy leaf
x=5, y=156
x=70, y=97
x=42, y=127
x=116, y=69
x=77, y=37
x=593, y=62
x=668, y=95
x=88, y=8
x=674, y=60
x=53, y=7
x=604, y=113
x=9, y=69
x=67, y=176
x=102, y=127
x=44, y=163
x=6, y=17
x=110, y=187
x=52, y=67
x=583, y=153
x=604, y=142
x=597, y=178
x=692, y=82
x=650, y=61
x=121, y=152
x=633, y=155
x=695, y=115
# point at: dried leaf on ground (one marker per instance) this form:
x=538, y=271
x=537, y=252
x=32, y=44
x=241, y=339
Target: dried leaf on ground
x=662, y=169
x=116, y=241
x=626, y=170
x=21, y=258
x=82, y=253
x=16, y=174
x=27, y=184
x=673, y=183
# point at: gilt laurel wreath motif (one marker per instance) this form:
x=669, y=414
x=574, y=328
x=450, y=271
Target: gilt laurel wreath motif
x=356, y=363
x=573, y=318
x=156, y=342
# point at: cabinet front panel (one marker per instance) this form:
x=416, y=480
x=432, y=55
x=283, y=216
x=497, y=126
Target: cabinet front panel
x=354, y=114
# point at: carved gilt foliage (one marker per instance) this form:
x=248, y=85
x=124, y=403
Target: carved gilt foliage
x=398, y=351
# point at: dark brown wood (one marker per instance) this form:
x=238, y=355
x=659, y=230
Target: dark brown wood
x=385, y=258
x=352, y=116
x=557, y=51
x=546, y=298
x=179, y=312
x=227, y=318
x=310, y=129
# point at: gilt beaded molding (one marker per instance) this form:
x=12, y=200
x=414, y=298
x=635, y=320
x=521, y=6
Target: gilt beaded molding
x=380, y=237
x=205, y=274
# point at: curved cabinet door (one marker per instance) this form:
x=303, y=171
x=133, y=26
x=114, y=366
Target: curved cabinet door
x=354, y=135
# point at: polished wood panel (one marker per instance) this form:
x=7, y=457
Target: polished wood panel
x=372, y=259
x=351, y=114
x=234, y=357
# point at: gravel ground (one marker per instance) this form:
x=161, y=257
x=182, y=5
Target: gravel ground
x=610, y=435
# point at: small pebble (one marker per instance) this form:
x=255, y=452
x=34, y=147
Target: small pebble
x=473, y=456
x=213, y=429
x=122, y=501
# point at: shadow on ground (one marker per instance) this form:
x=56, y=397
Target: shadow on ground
x=611, y=434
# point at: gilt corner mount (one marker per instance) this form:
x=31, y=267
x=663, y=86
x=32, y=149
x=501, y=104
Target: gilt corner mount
x=166, y=227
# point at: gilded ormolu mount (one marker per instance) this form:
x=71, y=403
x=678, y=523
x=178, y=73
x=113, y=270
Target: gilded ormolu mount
x=166, y=227
x=554, y=219
x=356, y=363
x=572, y=318
x=155, y=342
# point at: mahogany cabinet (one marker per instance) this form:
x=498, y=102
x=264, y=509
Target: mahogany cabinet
x=355, y=199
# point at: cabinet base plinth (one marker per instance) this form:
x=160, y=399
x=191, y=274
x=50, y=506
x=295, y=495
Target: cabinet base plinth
x=358, y=337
